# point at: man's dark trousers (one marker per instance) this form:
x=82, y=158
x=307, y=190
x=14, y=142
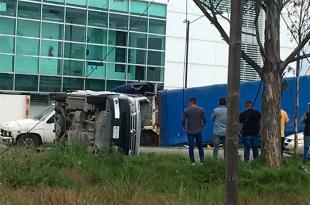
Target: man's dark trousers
x=191, y=144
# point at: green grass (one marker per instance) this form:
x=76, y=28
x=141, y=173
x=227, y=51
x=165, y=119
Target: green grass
x=70, y=175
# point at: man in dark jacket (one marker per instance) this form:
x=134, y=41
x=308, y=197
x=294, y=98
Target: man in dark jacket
x=193, y=121
x=306, y=120
x=250, y=121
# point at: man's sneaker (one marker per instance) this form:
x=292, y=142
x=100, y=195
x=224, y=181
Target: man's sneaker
x=193, y=164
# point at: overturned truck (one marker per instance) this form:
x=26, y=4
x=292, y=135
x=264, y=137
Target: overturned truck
x=101, y=119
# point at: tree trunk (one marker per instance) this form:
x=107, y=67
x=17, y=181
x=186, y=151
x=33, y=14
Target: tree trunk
x=270, y=123
x=296, y=107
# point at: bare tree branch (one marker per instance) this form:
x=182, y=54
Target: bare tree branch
x=300, y=57
x=259, y=42
x=248, y=33
x=284, y=3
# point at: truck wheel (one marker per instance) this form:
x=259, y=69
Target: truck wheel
x=28, y=141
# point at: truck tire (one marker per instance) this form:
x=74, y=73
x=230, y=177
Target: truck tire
x=28, y=141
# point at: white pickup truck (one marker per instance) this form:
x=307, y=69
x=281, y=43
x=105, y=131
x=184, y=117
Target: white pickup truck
x=30, y=133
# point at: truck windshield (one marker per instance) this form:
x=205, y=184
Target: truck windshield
x=44, y=112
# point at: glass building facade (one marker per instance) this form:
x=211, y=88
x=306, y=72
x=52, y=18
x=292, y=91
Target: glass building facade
x=63, y=45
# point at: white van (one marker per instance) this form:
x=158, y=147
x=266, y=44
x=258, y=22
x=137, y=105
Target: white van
x=30, y=133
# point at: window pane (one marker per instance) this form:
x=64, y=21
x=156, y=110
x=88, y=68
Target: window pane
x=136, y=72
x=51, y=48
x=97, y=85
x=139, y=7
x=98, y=4
x=111, y=84
x=99, y=19
x=7, y=26
x=96, y=36
x=8, y=7
x=50, y=84
x=74, y=50
x=76, y=16
x=118, y=21
x=29, y=10
x=25, y=64
x=138, y=24
x=75, y=33
x=137, y=40
x=158, y=10
x=155, y=58
x=6, y=63
x=50, y=66
x=137, y=56
x=95, y=69
x=72, y=84
x=28, y=28
x=157, y=26
x=155, y=74
x=116, y=71
x=118, y=38
x=55, y=1
x=6, y=44
x=117, y=55
x=77, y=2
x=26, y=82
x=53, y=13
x=74, y=68
x=6, y=81
x=156, y=42
x=27, y=46
x=52, y=31
x=119, y=5
x=96, y=52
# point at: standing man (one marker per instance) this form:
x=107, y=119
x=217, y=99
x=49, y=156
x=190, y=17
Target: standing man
x=219, y=117
x=306, y=120
x=250, y=121
x=193, y=121
x=284, y=121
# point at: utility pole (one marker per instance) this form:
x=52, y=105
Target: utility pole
x=233, y=127
x=186, y=52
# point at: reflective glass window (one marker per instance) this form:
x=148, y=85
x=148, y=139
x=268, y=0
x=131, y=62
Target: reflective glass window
x=26, y=82
x=158, y=10
x=155, y=74
x=118, y=38
x=156, y=58
x=137, y=40
x=50, y=84
x=98, y=4
x=121, y=6
x=95, y=35
x=6, y=63
x=72, y=84
x=75, y=33
x=76, y=16
x=138, y=24
x=156, y=42
x=28, y=28
x=139, y=7
x=117, y=55
x=52, y=31
x=99, y=19
x=137, y=56
x=136, y=72
x=8, y=7
x=95, y=69
x=96, y=52
x=74, y=50
x=50, y=66
x=51, y=48
x=6, y=81
x=7, y=26
x=94, y=84
x=6, y=44
x=77, y=2
x=116, y=71
x=118, y=21
x=26, y=64
x=29, y=10
x=27, y=46
x=157, y=26
x=73, y=68
x=111, y=84
x=53, y=13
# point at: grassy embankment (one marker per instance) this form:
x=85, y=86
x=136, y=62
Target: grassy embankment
x=70, y=175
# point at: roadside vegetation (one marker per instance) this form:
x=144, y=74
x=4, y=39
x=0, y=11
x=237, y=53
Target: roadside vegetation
x=70, y=175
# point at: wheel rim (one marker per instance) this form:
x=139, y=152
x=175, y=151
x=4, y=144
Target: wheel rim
x=28, y=143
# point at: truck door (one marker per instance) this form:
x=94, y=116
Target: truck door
x=48, y=130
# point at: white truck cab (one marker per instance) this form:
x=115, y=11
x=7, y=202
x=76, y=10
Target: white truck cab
x=30, y=133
